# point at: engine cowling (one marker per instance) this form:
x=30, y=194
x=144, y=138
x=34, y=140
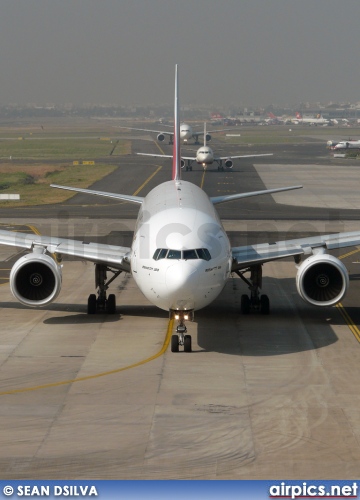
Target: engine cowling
x=228, y=163
x=208, y=137
x=35, y=279
x=161, y=137
x=182, y=163
x=322, y=280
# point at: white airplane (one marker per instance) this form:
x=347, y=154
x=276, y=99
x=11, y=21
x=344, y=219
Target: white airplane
x=180, y=257
x=310, y=120
x=350, y=144
x=186, y=133
x=205, y=156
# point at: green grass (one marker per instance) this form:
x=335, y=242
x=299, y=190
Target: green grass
x=52, y=149
x=282, y=135
x=47, y=158
x=37, y=190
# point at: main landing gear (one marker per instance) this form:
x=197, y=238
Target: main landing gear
x=188, y=166
x=181, y=338
x=102, y=303
x=255, y=302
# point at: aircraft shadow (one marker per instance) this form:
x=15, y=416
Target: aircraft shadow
x=241, y=335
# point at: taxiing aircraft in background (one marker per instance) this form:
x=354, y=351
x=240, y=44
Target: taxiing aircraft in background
x=180, y=257
x=186, y=133
x=350, y=144
x=205, y=156
x=309, y=120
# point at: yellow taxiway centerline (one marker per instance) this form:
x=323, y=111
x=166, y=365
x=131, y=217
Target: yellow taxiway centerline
x=102, y=374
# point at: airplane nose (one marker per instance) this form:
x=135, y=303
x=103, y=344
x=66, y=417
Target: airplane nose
x=181, y=279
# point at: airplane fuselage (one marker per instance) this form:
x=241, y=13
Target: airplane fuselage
x=181, y=256
x=204, y=156
x=347, y=145
x=186, y=132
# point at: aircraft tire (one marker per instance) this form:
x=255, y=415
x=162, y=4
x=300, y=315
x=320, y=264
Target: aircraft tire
x=187, y=343
x=264, y=304
x=111, y=304
x=245, y=304
x=174, y=343
x=91, y=308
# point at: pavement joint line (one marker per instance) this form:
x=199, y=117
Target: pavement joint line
x=101, y=374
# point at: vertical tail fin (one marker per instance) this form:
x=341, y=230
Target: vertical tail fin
x=204, y=133
x=176, y=171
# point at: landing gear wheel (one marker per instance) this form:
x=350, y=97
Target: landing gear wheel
x=264, y=304
x=245, y=304
x=91, y=309
x=174, y=343
x=187, y=343
x=111, y=304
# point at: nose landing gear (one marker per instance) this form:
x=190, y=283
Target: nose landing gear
x=181, y=338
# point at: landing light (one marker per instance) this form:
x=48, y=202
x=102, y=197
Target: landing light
x=177, y=316
x=186, y=316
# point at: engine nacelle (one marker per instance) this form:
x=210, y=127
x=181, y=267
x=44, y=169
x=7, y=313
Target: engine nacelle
x=35, y=279
x=322, y=280
x=182, y=163
x=161, y=137
x=208, y=137
x=228, y=163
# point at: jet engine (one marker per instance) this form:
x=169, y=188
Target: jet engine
x=228, y=163
x=208, y=137
x=35, y=279
x=161, y=137
x=322, y=280
x=182, y=163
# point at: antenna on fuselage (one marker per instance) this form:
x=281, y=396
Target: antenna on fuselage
x=176, y=173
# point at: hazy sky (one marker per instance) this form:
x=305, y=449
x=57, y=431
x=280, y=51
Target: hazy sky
x=228, y=51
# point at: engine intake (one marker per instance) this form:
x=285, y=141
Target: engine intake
x=208, y=137
x=228, y=163
x=322, y=280
x=161, y=137
x=35, y=279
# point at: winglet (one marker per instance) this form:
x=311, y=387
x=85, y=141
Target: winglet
x=176, y=171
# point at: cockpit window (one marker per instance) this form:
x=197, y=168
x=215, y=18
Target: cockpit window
x=190, y=254
x=160, y=253
x=174, y=254
x=198, y=253
x=203, y=253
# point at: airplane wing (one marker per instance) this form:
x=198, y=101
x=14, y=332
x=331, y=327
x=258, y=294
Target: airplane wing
x=99, y=253
x=213, y=131
x=259, y=254
x=241, y=156
x=155, y=156
x=231, y=197
x=123, y=197
x=191, y=158
x=150, y=130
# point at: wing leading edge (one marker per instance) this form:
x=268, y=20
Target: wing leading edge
x=265, y=252
x=99, y=253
